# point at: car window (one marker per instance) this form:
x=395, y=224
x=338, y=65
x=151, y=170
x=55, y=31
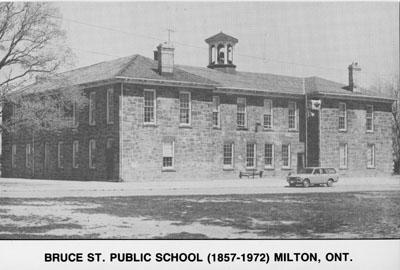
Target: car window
x=316, y=171
x=330, y=170
x=324, y=171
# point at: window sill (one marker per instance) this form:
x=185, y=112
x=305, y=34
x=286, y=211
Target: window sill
x=242, y=128
x=150, y=125
x=343, y=130
x=293, y=130
x=370, y=131
x=252, y=169
x=168, y=170
x=185, y=126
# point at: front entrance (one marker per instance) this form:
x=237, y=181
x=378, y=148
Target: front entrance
x=300, y=161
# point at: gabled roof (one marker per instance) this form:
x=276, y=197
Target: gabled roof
x=222, y=37
x=138, y=68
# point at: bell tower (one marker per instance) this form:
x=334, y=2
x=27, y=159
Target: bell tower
x=221, y=52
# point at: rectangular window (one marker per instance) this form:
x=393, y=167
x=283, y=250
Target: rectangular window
x=168, y=154
x=268, y=109
x=75, y=154
x=75, y=114
x=370, y=118
x=241, y=112
x=28, y=156
x=292, y=115
x=150, y=106
x=269, y=155
x=251, y=155
x=371, y=156
x=342, y=116
x=92, y=154
x=110, y=106
x=14, y=156
x=343, y=155
x=60, y=156
x=228, y=155
x=185, y=108
x=92, y=108
x=216, y=112
x=286, y=155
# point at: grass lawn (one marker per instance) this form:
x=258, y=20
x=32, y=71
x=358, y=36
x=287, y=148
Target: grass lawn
x=266, y=216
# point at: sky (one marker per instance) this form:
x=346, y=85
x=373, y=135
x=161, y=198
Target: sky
x=294, y=39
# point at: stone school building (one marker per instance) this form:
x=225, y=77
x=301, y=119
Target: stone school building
x=152, y=119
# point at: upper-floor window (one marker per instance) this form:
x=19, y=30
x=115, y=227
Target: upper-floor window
x=228, y=155
x=92, y=108
x=92, y=154
x=14, y=156
x=60, y=155
x=251, y=155
x=75, y=114
x=149, y=106
x=216, y=111
x=343, y=160
x=269, y=155
x=241, y=112
x=28, y=156
x=110, y=106
x=371, y=156
x=342, y=116
x=370, y=118
x=168, y=154
x=286, y=156
x=292, y=115
x=268, y=115
x=75, y=154
x=185, y=108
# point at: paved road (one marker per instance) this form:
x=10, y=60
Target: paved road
x=29, y=188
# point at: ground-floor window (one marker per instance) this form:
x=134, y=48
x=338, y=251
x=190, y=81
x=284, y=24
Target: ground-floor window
x=371, y=156
x=228, y=155
x=251, y=155
x=285, y=155
x=343, y=155
x=75, y=154
x=14, y=156
x=168, y=154
x=269, y=155
x=92, y=154
x=28, y=156
x=60, y=157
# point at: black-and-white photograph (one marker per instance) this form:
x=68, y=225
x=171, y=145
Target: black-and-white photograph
x=199, y=120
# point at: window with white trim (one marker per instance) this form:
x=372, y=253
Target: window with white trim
x=92, y=154
x=168, y=154
x=228, y=155
x=342, y=116
x=14, y=156
x=286, y=156
x=110, y=106
x=185, y=108
x=60, y=155
x=268, y=115
x=370, y=118
x=371, y=156
x=75, y=154
x=241, y=112
x=292, y=115
x=28, y=156
x=149, y=106
x=216, y=112
x=343, y=160
x=251, y=155
x=269, y=155
x=92, y=108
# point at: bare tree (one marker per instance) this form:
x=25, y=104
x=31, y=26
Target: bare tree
x=32, y=50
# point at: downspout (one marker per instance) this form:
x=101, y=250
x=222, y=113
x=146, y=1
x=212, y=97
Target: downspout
x=306, y=115
x=121, y=134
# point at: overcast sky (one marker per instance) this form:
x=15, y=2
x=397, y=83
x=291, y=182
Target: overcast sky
x=296, y=39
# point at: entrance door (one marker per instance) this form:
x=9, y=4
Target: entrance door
x=46, y=163
x=300, y=161
x=110, y=159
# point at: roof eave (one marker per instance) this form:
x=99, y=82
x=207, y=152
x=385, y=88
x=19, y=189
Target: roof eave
x=352, y=97
x=256, y=92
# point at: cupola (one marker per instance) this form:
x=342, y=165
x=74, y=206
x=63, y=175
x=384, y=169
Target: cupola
x=221, y=52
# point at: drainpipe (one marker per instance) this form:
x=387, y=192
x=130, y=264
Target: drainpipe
x=306, y=115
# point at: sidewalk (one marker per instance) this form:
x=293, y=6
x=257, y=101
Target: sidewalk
x=32, y=188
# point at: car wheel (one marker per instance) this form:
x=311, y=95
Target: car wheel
x=306, y=183
x=329, y=183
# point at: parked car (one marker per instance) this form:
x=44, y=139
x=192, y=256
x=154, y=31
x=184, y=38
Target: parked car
x=313, y=176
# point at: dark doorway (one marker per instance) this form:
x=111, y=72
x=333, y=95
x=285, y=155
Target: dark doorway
x=300, y=161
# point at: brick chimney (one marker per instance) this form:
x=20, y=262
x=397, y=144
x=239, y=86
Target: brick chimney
x=354, y=77
x=165, y=58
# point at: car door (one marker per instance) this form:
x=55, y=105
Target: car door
x=317, y=176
